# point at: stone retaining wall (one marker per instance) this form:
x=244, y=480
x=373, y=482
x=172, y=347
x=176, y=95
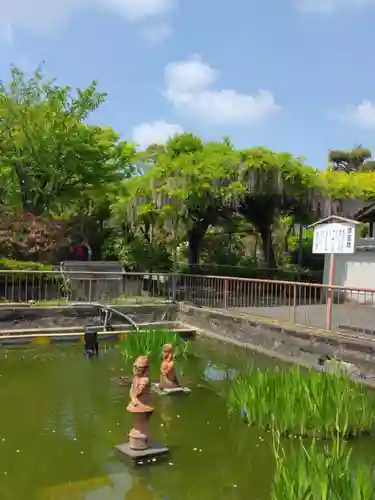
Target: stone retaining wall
x=301, y=345
x=27, y=317
x=293, y=343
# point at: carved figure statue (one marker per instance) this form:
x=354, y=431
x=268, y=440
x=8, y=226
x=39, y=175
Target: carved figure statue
x=140, y=404
x=168, y=377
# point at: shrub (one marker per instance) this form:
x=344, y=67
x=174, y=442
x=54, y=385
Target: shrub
x=20, y=265
x=26, y=236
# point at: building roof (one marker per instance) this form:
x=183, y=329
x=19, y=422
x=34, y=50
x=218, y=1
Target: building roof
x=366, y=214
x=333, y=218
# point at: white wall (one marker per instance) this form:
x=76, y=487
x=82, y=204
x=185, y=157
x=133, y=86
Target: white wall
x=355, y=271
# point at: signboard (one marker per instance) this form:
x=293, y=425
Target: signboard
x=334, y=238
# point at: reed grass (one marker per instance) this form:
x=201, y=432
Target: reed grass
x=149, y=342
x=303, y=403
x=320, y=474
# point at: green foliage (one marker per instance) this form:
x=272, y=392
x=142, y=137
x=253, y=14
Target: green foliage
x=342, y=185
x=139, y=254
x=185, y=143
x=271, y=173
x=179, y=186
x=150, y=343
x=320, y=474
x=51, y=156
x=302, y=403
x=314, y=262
x=254, y=271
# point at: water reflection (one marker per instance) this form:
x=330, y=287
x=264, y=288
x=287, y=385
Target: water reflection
x=110, y=487
x=218, y=373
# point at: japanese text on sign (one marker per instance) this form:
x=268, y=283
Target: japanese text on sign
x=334, y=238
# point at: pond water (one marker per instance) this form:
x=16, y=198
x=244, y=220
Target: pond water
x=61, y=415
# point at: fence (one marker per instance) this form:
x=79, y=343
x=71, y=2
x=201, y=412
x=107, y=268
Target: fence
x=285, y=301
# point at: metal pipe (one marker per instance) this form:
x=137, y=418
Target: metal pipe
x=107, y=309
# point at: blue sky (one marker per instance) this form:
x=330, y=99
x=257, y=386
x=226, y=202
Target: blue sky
x=292, y=75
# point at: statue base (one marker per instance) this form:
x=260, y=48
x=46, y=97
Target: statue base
x=153, y=451
x=169, y=392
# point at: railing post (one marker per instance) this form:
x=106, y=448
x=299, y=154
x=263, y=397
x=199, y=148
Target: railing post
x=294, y=302
x=331, y=279
x=174, y=287
x=225, y=293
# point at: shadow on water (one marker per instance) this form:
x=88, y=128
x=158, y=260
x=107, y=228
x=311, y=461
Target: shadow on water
x=61, y=414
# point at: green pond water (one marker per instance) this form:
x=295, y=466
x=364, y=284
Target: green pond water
x=61, y=415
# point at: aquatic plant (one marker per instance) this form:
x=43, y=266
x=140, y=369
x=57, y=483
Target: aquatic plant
x=300, y=402
x=149, y=342
x=325, y=473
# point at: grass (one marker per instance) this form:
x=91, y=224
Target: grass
x=320, y=474
x=150, y=342
x=303, y=403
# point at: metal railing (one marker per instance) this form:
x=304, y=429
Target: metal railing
x=55, y=287
x=281, y=301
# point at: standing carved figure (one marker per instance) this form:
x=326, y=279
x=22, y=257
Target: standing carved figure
x=168, y=377
x=140, y=404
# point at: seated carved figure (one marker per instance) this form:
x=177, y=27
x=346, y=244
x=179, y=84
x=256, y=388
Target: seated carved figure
x=140, y=404
x=168, y=377
x=140, y=395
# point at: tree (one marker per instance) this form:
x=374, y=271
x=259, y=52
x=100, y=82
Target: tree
x=356, y=159
x=51, y=156
x=275, y=184
x=189, y=186
x=202, y=185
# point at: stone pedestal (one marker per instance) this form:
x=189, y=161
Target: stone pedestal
x=153, y=451
x=139, y=434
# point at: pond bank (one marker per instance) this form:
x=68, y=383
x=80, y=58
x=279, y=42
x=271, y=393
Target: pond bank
x=286, y=342
x=290, y=344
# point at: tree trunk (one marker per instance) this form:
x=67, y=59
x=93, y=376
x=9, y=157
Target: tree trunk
x=195, y=241
x=267, y=247
x=286, y=239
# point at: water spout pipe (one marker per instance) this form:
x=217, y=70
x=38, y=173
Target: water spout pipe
x=107, y=309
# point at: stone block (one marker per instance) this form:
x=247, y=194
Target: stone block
x=153, y=451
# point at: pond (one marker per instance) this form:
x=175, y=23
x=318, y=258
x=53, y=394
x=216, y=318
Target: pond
x=61, y=415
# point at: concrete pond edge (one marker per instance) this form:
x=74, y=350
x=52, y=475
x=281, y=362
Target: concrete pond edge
x=286, y=342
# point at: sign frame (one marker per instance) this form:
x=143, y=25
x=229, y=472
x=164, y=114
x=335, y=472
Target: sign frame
x=334, y=238
x=333, y=249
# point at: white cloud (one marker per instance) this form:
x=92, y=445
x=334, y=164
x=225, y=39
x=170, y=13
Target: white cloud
x=158, y=33
x=43, y=16
x=39, y=16
x=189, y=87
x=136, y=10
x=157, y=132
x=332, y=6
x=362, y=115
